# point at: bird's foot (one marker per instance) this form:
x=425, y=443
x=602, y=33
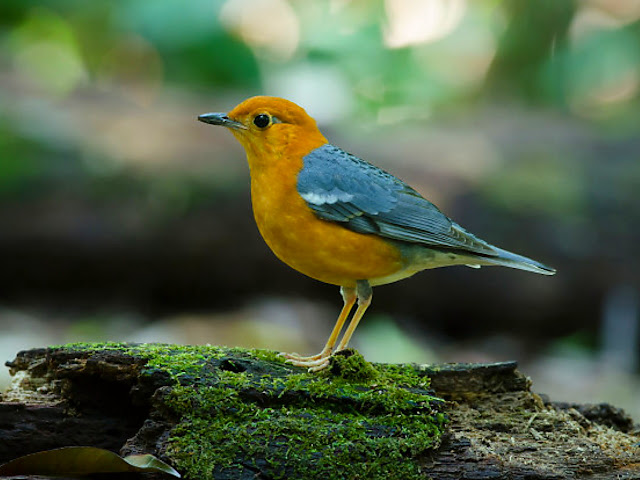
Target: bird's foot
x=301, y=358
x=313, y=363
x=320, y=366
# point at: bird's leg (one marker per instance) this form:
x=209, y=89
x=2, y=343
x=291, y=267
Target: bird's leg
x=349, y=297
x=364, y=293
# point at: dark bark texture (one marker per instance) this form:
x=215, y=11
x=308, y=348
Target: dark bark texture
x=497, y=427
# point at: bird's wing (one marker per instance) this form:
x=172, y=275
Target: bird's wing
x=340, y=187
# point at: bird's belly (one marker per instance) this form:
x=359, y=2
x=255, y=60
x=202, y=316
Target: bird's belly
x=321, y=249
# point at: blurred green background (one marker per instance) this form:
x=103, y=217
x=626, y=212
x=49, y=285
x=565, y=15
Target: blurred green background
x=123, y=218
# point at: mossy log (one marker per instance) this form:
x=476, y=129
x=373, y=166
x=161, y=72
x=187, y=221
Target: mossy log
x=222, y=413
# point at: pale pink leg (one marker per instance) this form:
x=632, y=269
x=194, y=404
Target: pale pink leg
x=349, y=297
x=364, y=300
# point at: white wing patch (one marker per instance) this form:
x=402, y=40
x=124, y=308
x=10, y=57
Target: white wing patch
x=321, y=198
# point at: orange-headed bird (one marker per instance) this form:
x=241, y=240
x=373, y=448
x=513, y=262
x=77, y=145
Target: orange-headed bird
x=341, y=220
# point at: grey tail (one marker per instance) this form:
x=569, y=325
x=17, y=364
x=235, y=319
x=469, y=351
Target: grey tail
x=513, y=260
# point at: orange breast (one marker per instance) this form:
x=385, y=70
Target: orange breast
x=320, y=249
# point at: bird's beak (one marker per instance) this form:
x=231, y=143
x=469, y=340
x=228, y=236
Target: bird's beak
x=221, y=119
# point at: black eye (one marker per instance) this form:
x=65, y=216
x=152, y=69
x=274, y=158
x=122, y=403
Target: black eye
x=262, y=120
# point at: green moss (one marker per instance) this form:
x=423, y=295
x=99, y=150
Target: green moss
x=350, y=365
x=246, y=414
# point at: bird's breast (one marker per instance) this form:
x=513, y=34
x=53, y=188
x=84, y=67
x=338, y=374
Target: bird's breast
x=324, y=250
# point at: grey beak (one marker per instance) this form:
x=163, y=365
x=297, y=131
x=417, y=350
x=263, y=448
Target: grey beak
x=221, y=119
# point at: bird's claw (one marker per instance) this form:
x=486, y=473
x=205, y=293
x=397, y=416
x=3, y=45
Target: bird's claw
x=301, y=358
x=313, y=363
x=319, y=367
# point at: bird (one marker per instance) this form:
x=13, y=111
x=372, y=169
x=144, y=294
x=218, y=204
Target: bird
x=341, y=220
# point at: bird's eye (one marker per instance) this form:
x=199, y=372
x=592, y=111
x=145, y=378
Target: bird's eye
x=262, y=120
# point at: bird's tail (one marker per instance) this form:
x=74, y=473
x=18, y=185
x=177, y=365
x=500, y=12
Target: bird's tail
x=513, y=260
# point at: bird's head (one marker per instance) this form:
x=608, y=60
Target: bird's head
x=268, y=125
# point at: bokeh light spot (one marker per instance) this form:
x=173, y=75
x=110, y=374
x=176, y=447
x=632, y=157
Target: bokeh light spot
x=271, y=27
x=46, y=54
x=411, y=22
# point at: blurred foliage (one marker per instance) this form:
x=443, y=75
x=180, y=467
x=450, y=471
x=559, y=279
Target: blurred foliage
x=65, y=40
x=396, y=53
x=94, y=96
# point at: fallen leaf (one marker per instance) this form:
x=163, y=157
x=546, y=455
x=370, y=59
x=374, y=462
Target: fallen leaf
x=83, y=461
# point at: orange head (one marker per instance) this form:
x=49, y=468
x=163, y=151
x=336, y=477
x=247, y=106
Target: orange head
x=267, y=126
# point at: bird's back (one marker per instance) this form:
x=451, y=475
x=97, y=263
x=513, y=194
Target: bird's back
x=342, y=188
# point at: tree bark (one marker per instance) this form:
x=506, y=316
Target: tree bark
x=119, y=398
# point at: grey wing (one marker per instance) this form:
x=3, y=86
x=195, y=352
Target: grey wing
x=340, y=187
